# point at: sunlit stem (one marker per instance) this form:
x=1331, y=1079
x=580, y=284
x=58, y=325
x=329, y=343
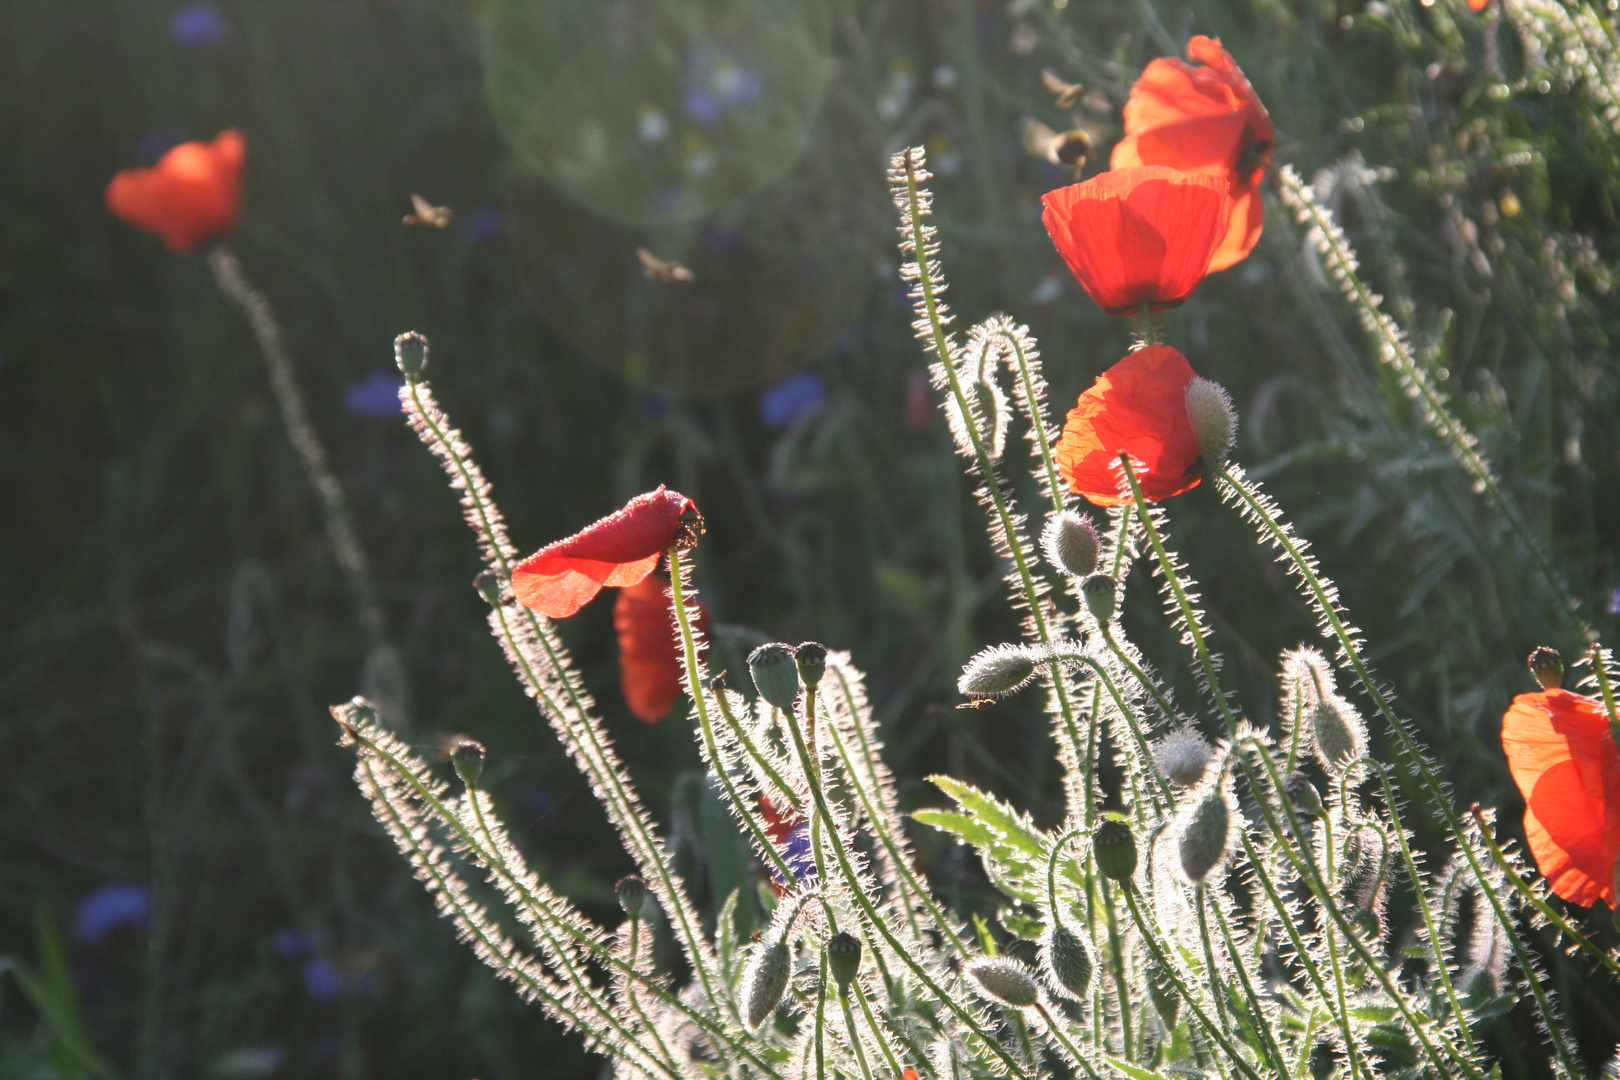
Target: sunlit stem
x=877, y=1032
x=635, y=1000
x=1256, y=1006
x=1212, y=971
x=1107, y=682
x=1150, y=332
x=854, y=1035
x=1121, y=990
x=1057, y=1033
x=746, y=741
x=1600, y=668
x=821, y=1022
x=1038, y=423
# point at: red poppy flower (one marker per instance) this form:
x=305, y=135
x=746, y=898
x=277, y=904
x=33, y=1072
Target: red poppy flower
x=1560, y=748
x=1140, y=406
x=649, y=652
x=191, y=197
x=1139, y=236
x=1478, y=5
x=621, y=549
x=1203, y=120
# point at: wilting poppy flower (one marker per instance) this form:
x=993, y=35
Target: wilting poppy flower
x=649, y=655
x=1203, y=120
x=1139, y=236
x=191, y=197
x=621, y=549
x=1139, y=406
x=1561, y=751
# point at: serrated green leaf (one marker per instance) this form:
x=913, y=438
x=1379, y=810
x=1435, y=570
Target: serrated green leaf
x=1015, y=827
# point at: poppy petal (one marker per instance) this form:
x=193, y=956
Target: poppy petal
x=191, y=197
x=1138, y=406
x=650, y=666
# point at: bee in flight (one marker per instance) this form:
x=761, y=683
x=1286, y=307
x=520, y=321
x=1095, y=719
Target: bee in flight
x=1069, y=148
x=425, y=213
x=657, y=269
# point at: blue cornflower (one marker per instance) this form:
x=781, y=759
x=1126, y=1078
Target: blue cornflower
x=791, y=398
x=112, y=907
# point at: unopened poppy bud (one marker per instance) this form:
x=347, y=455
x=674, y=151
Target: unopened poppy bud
x=1337, y=731
x=1163, y=992
x=632, y=895
x=1008, y=981
x=1548, y=667
x=997, y=671
x=843, y=958
x=1113, y=845
x=1183, y=756
x=1070, y=542
x=489, y=586
x=765, y=979
x=1067, y=960
x=1203, y=837
x=1479, y=984
x=1303, y=794
x=1098, y=591
x=1214, y=421
x=811, y=658
x=1364, y=862
x=776, y=674
x=411, y=354
x=469, y=760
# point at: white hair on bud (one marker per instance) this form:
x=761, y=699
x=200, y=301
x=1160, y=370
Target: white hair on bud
x=1214, y=420
x=1070, y=543
x=1000, y=670
x=1183, y=756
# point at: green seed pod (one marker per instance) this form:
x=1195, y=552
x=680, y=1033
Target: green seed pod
x=1098, y=591
x=1067, y=960
x=1548, y=667
x=765, y=979
x=411, y=354
x=469, y=760
x=1303, y=794
x=489, y=586
x=776, y=674
x=1070, y=543
x=632, y=895
x=811, y=658
x=1113, y=845
x=1008, y=981
x=1214, y=421
x=1203, y=837
x=1337, y=732
x=843, y=958
x=997, y=672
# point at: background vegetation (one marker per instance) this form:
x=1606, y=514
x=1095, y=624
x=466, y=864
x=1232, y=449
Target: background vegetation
x=186, y=875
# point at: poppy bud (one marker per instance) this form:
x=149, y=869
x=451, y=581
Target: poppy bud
x=1183, y=755
x=843, y=958
x=1214, y=422
x=1071, y=544
x=1337, y=732
x=1203, y=836
x=1479, y=984
x=632, y=894
x=1008, y=981
x=1113, y=845
x=411, y=354
x=998, y=671
x=489, y=586
x=1098, y=591
x=765, y=979
x=811, y=658
x=1303, y=794
x=1067, y=960
x=1364, y=863
x=1163, y=992
x=776, y=674
x=469, y=760
x=1548, y=667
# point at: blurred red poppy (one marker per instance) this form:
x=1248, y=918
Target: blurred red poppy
x=1204, y=119
x=621, y=549
x=191, y=197
x=1138, y=406
x=1478, y=5
x=1560, y=748
x=1139, y=236
x=650, y=658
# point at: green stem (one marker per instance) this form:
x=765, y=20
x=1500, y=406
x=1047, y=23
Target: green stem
x=854, y=1036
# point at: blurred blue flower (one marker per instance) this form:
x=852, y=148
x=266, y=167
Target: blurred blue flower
x=701, y=105
x=483, y=224
x=786, y=400
x=798, y=856
x=294, y=944
x=111, y=907
x=322, y=980
x=197, y=26
x=376, y=395
x=1614, y=602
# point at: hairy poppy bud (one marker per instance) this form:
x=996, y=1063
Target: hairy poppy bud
x=1070, y=542
x=1548, y=667
x=1183, y=756
x=776, y=674
x=998, y=671
x=1098, y=591
x=1337, y=733
x=1113, y=845
x=843, y=958
x=1214, y=422
x=766, y=978
x=411, y=354
x=1364, y=865
x=1203, y=836
x=469, y=760
x=632, y=894
x=811, y=658
x=1163, y=992
x=489, y=586
x=1008, y=981
x=1067, y=960
x=1303, y=794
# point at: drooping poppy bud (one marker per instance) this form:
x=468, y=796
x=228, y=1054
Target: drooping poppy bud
x=998, y=671
x=776, y=674
x=1204, y=833
x=1205, y=119
x=650, y=655
x=1214, y=421
x=1303, y=794
x=191, y=197
x=1008, y=981
x=1182, y=756
x=469, y=760
x=1337, y=733
x=1070, y=543
x=843, y=958
x=1067, y=960
x=1138, y=407
x=620, y=549
x=1113, y=846
x=765, y=979
x=1139, y=237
